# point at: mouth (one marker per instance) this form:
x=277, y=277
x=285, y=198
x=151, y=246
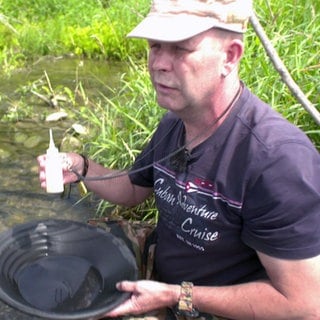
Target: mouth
x=160, y=87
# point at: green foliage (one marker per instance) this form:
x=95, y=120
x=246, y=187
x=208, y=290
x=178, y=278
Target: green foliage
x=121, y=123
x=74, y=11
x=120, y=126
x=90, y=28
x=294, y=30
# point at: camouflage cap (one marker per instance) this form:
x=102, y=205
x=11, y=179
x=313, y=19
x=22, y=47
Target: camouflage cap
x=177, y=20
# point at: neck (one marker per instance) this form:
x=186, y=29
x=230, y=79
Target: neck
x=198, y=129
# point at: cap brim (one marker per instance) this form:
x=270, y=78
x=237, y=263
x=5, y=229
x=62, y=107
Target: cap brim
x=172, y=29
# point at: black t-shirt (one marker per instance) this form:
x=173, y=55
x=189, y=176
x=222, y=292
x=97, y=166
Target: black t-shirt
x=253, y=185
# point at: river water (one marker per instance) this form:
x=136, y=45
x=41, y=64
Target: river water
x=21, y=198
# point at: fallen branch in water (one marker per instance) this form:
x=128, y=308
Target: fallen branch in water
x=282, y=70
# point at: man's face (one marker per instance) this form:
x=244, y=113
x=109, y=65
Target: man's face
x=187, y=74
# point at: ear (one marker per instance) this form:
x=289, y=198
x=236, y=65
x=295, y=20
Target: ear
x=234, y=52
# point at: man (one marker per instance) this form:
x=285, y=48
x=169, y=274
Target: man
x=236, y=185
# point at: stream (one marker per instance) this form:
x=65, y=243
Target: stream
x=21, y=198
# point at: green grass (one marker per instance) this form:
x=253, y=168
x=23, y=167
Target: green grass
x=121, y=124
x=294, y=29
x=92, y=28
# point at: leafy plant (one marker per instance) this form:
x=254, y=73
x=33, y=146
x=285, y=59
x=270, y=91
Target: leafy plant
x=121, y=122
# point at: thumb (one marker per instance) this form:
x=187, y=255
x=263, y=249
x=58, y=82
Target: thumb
x=126, y=286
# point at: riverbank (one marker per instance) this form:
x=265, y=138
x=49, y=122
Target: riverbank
x=120, y=120
x=97, y=29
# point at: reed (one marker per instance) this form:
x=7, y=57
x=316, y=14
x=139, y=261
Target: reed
x=122, y=123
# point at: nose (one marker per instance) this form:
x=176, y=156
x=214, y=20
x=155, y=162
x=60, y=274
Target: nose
x=160, y=60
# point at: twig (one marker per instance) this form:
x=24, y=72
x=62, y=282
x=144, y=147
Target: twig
x=282, y=70
x=42, y=97
x=48, y=82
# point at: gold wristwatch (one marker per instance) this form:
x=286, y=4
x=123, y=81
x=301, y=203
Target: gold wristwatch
x=185, y=306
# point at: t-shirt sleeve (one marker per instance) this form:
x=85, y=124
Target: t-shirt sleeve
x=281, y=214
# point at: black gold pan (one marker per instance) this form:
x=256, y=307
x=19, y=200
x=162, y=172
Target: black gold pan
x=61, y=269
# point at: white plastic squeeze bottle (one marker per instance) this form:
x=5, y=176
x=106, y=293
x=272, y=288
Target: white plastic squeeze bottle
x=54, y=177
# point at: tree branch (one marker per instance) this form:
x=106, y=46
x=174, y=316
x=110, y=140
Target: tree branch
x=282, y=70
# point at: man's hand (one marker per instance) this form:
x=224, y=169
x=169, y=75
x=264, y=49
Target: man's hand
x=146, y=296
x=68, y=161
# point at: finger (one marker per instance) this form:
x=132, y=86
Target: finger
x=126, y=286
x=42, y=178
x=41, y=160
x=42, y=175
x=65, y=161
x=120, y=310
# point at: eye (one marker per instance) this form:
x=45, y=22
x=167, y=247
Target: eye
x=178, y=48
x=181, y=49
x=154, y=45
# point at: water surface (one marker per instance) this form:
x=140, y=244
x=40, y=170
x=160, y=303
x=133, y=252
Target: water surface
x=21, y=198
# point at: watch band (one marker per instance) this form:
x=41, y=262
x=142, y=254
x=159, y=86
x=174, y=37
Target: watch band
x=185, y=306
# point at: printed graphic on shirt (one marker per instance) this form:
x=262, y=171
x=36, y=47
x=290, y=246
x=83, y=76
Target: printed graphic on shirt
x=188, y=208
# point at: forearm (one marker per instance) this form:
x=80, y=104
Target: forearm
x=116, y=188
x=255, y=300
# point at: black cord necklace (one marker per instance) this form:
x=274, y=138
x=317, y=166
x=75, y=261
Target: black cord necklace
x=178, y=158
